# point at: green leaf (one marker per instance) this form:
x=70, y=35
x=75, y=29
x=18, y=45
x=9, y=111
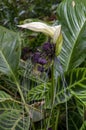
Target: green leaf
x=80, y=107
x=83, y=127
x=75, y=85
x=13, y=120
x=12, y=115
x=75, y=120
x=72, y=16
x=10, y=55
x=39, y=92
x=9, y=51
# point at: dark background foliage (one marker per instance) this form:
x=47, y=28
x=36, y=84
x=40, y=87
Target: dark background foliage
x=12, y=12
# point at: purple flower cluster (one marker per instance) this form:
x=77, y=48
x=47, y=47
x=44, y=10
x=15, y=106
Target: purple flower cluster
x=41, y=68
x=49, y=49
x=44, y=55
x=47, y=46
x=37, y=58
x=42, y=61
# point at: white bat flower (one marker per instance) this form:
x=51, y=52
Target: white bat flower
x=53, y=31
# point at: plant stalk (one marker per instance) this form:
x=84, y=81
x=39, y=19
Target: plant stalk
x=57, y=118
x=52, y=85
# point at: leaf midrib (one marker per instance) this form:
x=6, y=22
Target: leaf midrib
x=14, y=77
x=70, y=86
x=6, y=62
x=16, y=122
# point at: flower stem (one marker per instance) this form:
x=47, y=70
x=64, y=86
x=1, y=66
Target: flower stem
x=57, y=118
x=52, y=85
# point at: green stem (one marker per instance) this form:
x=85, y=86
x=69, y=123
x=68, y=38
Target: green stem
x=32, y=124
x=52, y=86
x=52, y=96
x=51, y=93
x=57, y=118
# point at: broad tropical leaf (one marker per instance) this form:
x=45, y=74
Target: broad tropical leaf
x=9, y=51
x=12, y=115
x=75, y=85
x=39, y=92
x=10, y=55
x=72, y=16
x=14, y=120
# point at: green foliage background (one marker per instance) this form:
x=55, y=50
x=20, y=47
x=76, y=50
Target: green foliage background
x=21, y=90
x=12, y=12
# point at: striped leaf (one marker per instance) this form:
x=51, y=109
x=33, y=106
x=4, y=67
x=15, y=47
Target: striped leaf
x=12, y=115
x=72, y=16
x=9, y=51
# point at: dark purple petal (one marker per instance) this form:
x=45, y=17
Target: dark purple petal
x=49, y=49
x=42, y=61
x=36, y=57
x=46, y=46
x=41, y=68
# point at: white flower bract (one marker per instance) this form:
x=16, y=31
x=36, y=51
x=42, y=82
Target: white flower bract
x=52, y=31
